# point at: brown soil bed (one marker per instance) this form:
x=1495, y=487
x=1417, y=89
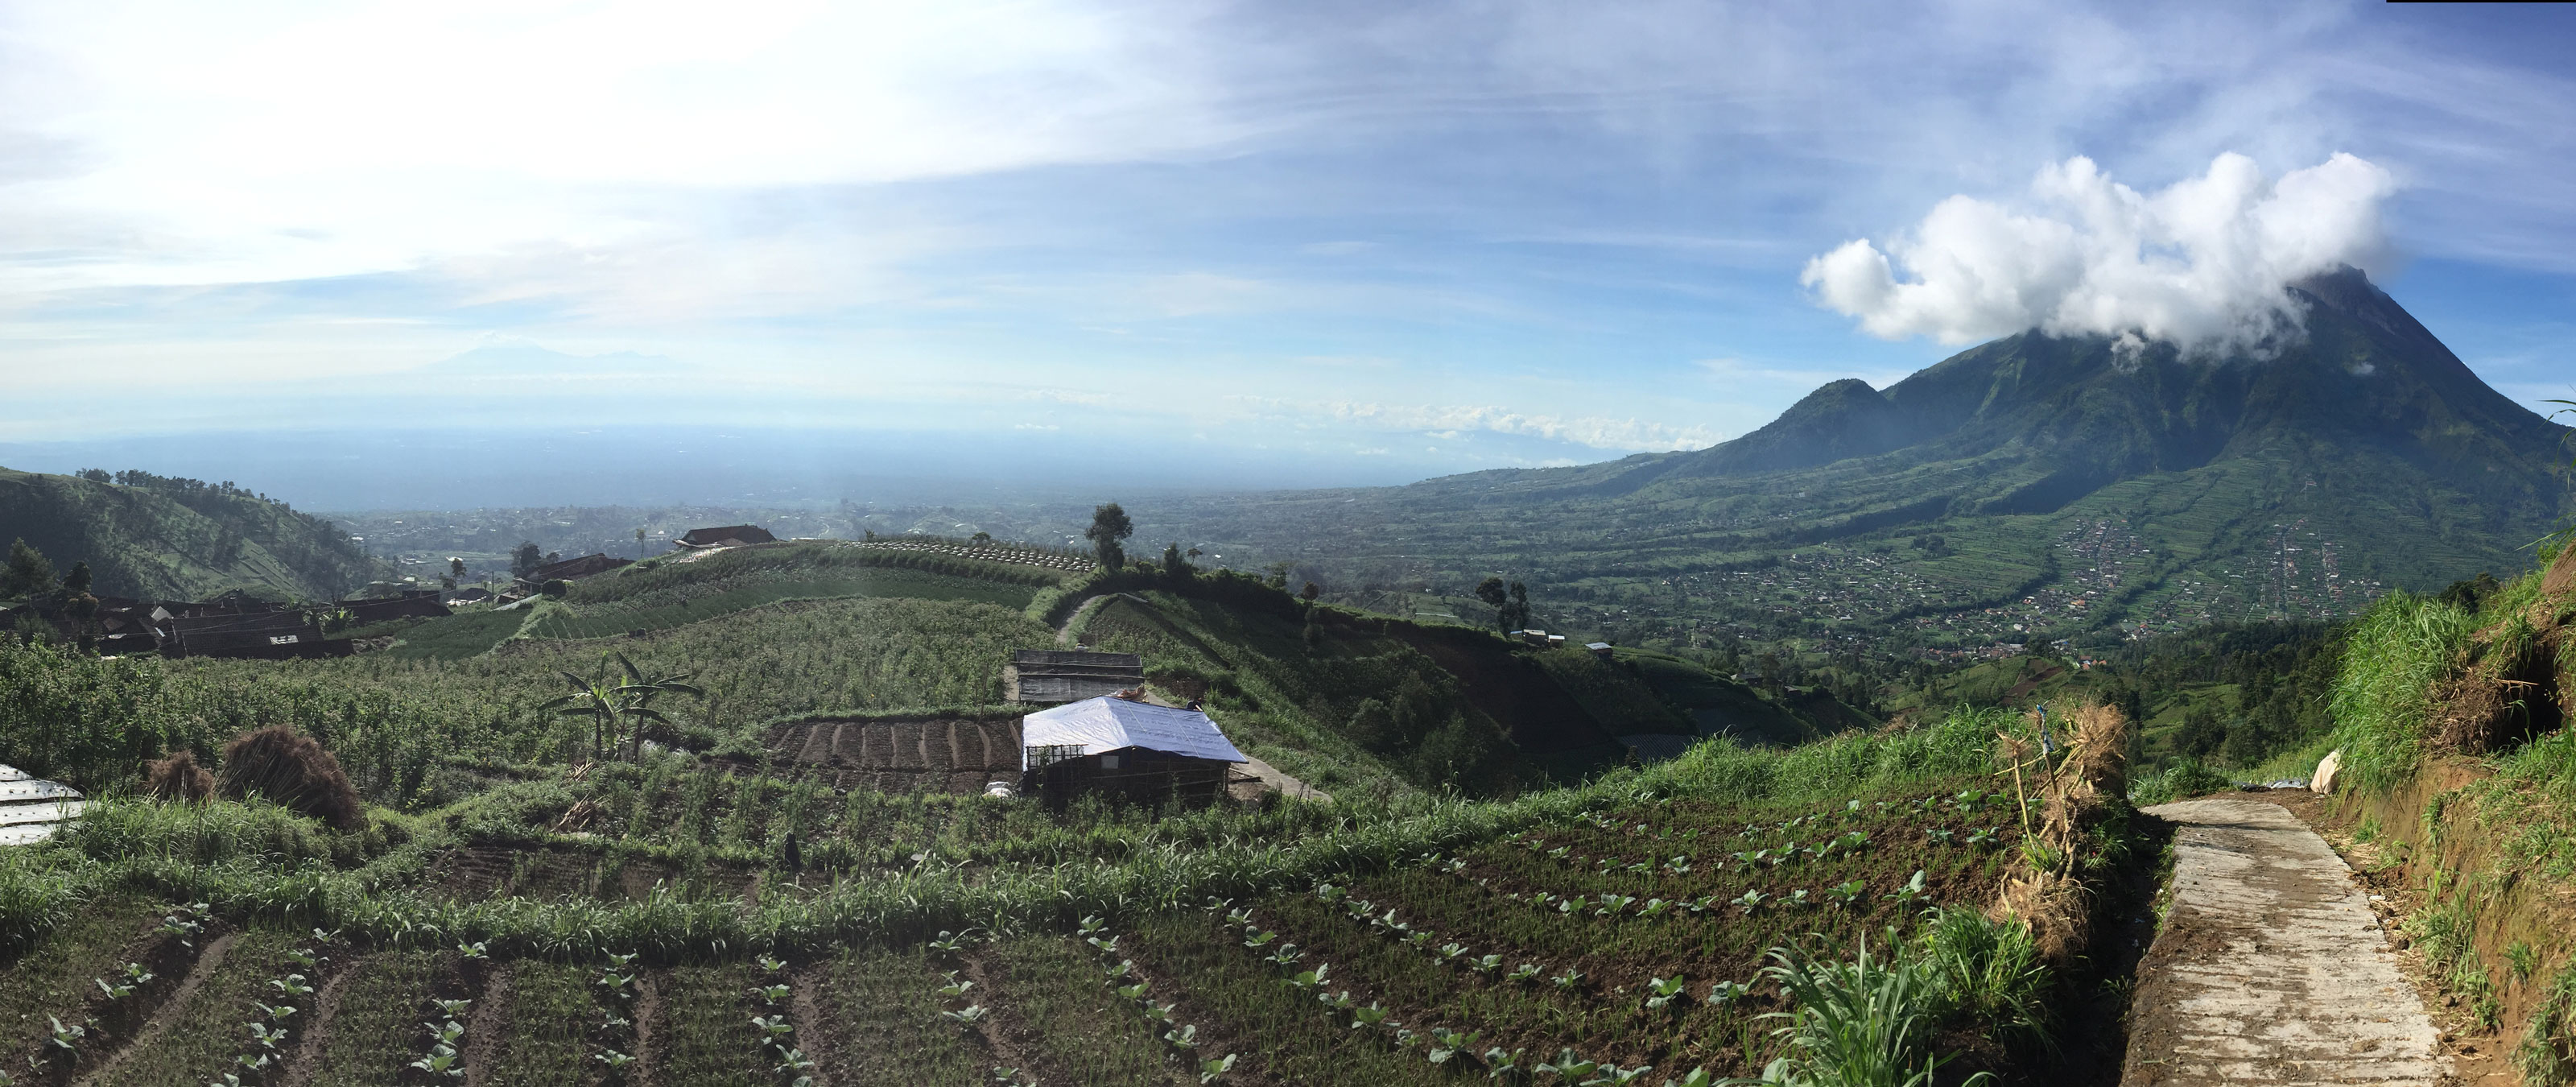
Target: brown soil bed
x=901, y=756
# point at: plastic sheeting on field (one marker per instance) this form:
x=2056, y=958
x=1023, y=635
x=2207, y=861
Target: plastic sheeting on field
x=1107, y=724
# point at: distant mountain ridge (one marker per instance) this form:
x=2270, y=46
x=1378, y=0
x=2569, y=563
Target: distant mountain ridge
x=1948, y=508
x=159, y=537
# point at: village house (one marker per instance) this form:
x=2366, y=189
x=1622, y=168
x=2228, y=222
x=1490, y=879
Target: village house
x=698, y=539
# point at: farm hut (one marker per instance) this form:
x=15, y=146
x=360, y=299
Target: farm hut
x=723, y=536
x=575, y=569
x=1599, y=649
x=1134, y=750
x=1059, y=675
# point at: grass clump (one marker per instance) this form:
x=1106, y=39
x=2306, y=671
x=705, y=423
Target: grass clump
x=2393, y=667
x=2183, y=779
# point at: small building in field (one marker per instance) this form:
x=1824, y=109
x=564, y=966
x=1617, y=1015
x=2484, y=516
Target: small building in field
x=1599, y=649
x=1046, y=676
x=723, y=536
x=1131, y=750
x=575, y=569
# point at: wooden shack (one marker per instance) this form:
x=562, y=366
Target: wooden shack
x=1046, y=676
x=1134, y=751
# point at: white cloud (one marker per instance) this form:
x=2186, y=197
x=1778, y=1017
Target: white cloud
x=2203, y=263
x=1448, y=421
x=194, y=144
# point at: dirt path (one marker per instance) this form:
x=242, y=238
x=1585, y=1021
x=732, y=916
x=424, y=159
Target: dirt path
x=2271, y=967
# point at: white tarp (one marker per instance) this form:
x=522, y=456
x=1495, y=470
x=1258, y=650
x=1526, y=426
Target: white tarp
x=31, y=808
x=1107, y=724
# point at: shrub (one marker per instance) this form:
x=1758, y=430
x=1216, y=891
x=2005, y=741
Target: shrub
x=34, y=897
x=177, y=776
x=1989, y=970
x=2182, y=780
x=294, y=772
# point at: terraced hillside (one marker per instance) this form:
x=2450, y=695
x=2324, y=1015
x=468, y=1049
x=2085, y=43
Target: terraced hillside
x=654, y=920
x=2028, y=489
x=797, y=878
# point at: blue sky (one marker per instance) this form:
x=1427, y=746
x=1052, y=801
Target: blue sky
x=1344, y=243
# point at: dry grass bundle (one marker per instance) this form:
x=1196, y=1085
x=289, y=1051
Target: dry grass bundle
x=292, y=771
x=176, y=776
x=2071, y=793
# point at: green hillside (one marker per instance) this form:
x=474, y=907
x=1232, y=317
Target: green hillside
x=156, y=537
x=2026, y=490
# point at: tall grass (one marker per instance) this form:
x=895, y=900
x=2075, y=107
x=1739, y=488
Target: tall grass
x=1863, y=1023
x=2398, y=655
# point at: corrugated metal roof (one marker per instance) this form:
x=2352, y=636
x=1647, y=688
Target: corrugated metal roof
x=1107, y=724
x=31, y=807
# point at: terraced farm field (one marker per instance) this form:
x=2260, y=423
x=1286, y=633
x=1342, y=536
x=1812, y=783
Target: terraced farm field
x=651, y=923
x=954, y=756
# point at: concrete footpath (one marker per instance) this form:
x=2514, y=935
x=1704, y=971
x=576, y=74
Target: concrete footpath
x=2271, y=967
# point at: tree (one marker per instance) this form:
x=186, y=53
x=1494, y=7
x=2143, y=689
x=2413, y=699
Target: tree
x=1109, y=526
x=527, y=557
x=77, y=582
x=639, y=544
x=1311, y=592
x=455, y=567
x=28, y=572
x=1173, y=563
x=981, y=538
x=1515, y=612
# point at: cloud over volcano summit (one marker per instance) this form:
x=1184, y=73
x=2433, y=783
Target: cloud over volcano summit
x=2204, y=263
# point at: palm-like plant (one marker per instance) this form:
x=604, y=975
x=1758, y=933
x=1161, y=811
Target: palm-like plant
x=609, y=703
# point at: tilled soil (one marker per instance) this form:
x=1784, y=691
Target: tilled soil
x=2271, y=967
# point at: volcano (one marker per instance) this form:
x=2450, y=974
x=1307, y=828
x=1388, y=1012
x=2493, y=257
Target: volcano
x=2035, y=485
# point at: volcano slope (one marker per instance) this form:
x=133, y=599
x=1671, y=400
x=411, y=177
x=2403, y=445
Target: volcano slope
x=2032, y=487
